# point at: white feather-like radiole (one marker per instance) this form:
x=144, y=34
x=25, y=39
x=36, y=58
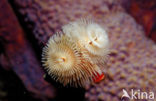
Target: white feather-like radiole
x=91, y=37
x=66, y=62
x=78, y=55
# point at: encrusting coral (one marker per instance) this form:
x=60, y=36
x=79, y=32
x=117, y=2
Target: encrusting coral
x=71, y=56
x=131, y=63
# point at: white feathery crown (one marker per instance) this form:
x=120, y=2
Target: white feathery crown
x=91, y=37
x=72, y=57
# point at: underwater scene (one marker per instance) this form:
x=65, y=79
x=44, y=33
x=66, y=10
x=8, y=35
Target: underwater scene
x=77, y=50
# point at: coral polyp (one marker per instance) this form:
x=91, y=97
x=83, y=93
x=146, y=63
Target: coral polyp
x=73, y=56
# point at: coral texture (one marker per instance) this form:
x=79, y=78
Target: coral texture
x=19, y=56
